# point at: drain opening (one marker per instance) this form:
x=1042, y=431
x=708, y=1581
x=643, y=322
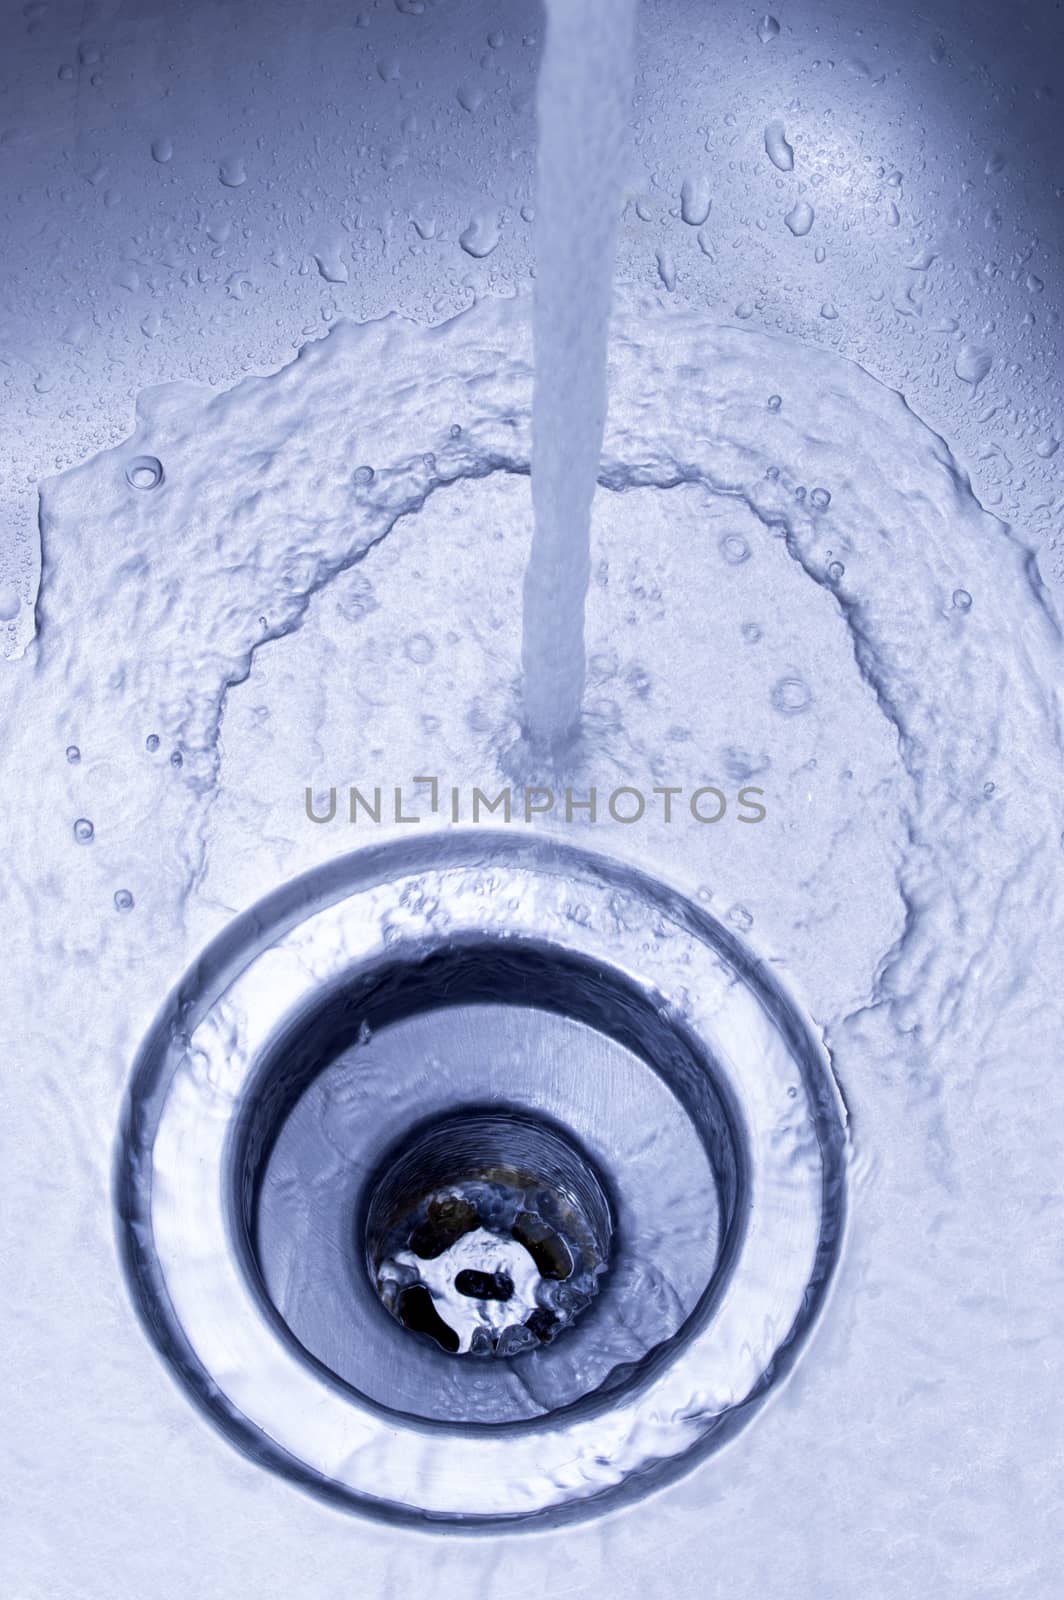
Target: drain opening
x=487, y=1232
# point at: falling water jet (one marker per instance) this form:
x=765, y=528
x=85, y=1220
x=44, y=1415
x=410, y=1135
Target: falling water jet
x=582, y=106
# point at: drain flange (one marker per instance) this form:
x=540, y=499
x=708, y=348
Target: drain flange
x=306, y=1040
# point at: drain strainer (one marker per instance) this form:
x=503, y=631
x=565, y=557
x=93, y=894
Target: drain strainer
x=479, y=1097
x=488, y=1233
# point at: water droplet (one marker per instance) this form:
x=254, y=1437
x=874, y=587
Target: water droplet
x=774, y=402
x=741, y=918
x=973, y=363
x=470, y=97
x=10, y=602
x=419, y=648
x=162, y=150
x=456, y=430
x=751, y=632
x=363, y=475
x=768, y=29
x=800, y=219
x=828, y=311
x=176, y=758
x=123, y=900
x=73, y=754
x=331, y=266
x=232, y=172
x=152, y=742
x=988, y=789
x=667, y=270
x=66, y=73
x=779, y=152
x=791, y=696
x=83, y=830
x=836, y=571
x=734, y=549
x=962, y=600
x=1046, y=446
x=144, y=472
x=480, y=236
x=820, y=499
x=695, y=201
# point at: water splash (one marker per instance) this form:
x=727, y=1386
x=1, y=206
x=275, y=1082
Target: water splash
x=584, y=95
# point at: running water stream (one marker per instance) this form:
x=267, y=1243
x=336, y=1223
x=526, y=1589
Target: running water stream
x=584, y=97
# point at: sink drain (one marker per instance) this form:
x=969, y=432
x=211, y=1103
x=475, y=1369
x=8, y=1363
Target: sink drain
x=488, y=1233
x=479, y=1180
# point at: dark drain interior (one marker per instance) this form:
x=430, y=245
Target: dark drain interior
x=488, y=1232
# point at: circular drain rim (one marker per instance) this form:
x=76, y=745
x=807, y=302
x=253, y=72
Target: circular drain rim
x=290, y=1414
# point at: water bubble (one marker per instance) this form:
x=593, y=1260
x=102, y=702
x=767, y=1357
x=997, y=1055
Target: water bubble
x=820, y=499
x=152, y=742
x=176, y=758
x=836, y=571
x=779, y=152
x=741, y=918
x=800, y=218
x=456, y=430
x=734, y=549
x=83, y=830
x=162, y=150
x=988, y=789
x=123, y=900
x=962, y=600
x=144, y=472
x=232, y=173
x=973, y=363
x=363, y=475
x=774, y=402
x=66, y=73
x=768, y=29
x=73, y=754
x=695, y=201
x=419, y=648
x=751, y=632
x=791, y=696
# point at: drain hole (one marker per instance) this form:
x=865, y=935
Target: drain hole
x=484, y=1285
x=488, y=1232
x=444, y=1225
x=546, y=1247
x=418, y=1313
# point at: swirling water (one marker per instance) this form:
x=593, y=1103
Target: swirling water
x=793, y=587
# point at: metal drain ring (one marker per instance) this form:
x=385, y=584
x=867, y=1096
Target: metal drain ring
x=179, y=1201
